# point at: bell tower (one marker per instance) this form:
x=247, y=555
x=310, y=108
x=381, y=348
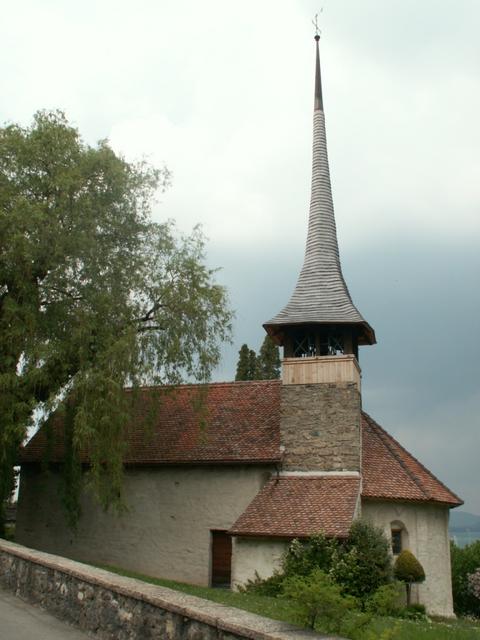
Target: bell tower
x=320, y=330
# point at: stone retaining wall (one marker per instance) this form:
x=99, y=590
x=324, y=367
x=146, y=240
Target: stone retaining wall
x=118, y=608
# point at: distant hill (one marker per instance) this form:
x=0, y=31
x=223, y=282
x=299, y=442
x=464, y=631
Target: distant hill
x=464, y=527
x=461, y=521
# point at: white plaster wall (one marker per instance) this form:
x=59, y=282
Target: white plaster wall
x=166, y=531
x=428, y=540
x=251, y=556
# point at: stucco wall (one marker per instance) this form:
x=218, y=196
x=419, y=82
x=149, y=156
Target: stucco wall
x=428, y=540
x=320, y=427
x=255, y=556
x=166, y=531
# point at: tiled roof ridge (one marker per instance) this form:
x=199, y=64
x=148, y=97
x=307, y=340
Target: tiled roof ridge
x=385, y=437
x=196, y=385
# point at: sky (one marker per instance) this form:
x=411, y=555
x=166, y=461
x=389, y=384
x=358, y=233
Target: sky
x=222, y=94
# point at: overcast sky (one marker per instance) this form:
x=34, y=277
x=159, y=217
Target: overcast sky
x=222, y=93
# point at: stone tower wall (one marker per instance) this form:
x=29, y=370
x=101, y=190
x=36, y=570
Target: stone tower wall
x=320, y=427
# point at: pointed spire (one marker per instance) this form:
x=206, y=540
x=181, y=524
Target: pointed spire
x=321, y=296
x=318, y=103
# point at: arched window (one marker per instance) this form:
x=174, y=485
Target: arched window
x=399, y=537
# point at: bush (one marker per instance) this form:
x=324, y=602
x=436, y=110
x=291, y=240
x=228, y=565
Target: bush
x=317, y=596
x=465, y=561
x=409, y=570
x=360, y=565
x=414, y=612
x=387, y=600
x=303, y=556
x=474, y=583
x=364, y=563
x=265, y=586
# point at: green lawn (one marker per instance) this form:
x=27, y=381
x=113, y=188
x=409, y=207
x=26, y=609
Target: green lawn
x=435, y=630
x=281, y=609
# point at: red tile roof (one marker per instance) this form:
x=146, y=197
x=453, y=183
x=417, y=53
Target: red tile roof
x=390, y=472
x=291, y=506
x=238, y=423
x=242, y=425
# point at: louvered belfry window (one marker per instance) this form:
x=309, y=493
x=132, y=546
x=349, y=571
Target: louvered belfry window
x=304, y=345
x=308, y=344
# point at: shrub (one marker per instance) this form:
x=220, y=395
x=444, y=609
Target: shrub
x=414, y=612
x=387, y=600
x=303, y=556
x=465, y=561
x=474, y=583
x=317, y=596
x=364, y=563
x=360, y=565
x=409, y=570
x=265, y=586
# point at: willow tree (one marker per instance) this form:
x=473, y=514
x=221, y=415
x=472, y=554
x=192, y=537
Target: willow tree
x=94, y=295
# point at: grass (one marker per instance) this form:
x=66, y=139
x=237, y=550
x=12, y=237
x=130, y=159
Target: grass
x=282, y=609
x=435, y=630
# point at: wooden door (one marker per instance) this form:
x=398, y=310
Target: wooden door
x=221, y=559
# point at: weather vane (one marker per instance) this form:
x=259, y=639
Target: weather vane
x=315, y=24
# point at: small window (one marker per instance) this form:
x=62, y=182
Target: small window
x=396, y=541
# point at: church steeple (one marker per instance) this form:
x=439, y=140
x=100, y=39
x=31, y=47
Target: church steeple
x=318, y=103
x=320, y=318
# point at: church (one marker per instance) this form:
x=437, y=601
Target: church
x=215, y=496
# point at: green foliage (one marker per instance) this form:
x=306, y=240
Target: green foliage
x=363, y=563
x=252, y=365
x=270, y=587
x=415, y=611
x=265, y=366
x=269, y=360
x=94, y=296
x=474, y=583
x=304, y=556
x=247, y=364
x=317, y=596
x=386, y=600
x=362, y=626
x=360, y=565
x=407, y=568
x=320, y=603
x=301, y=558
x=465, y=562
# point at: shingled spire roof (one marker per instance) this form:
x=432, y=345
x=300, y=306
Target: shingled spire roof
x=321, y=295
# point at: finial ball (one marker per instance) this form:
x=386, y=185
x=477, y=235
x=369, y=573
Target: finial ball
x=317, y=37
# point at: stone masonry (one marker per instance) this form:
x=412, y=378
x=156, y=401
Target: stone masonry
x=320, y=427
x=113, y=607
